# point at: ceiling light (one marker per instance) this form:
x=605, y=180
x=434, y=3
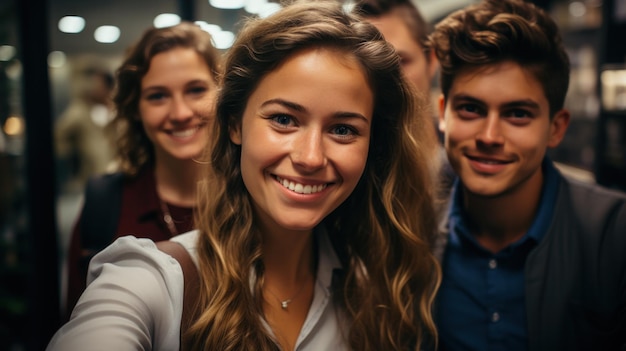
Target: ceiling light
x=223, y=39
x=254, y=6
x=107, y=34
x=268, y=9
x=210, y=28
x=166, y=20
x=227, y=4
x=71, y=24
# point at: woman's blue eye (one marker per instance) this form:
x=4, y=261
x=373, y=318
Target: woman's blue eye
x=282, y=119
x=343, y=130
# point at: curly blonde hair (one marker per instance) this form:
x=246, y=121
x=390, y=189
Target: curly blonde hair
x=381, y=233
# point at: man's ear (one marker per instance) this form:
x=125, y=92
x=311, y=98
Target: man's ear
x=558, y=127
x=235, y=134
x=441, y=104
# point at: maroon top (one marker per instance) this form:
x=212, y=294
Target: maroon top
x=140, y=215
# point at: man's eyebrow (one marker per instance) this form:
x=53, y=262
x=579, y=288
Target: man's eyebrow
x=467, y=98
x=523, y=103
x=529, y=103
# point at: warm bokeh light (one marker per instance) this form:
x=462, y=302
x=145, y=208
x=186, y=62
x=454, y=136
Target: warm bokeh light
x=14, y=126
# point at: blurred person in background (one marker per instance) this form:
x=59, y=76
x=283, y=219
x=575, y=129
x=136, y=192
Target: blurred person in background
x=164, y=105
x=83, y=147
x=404, y=27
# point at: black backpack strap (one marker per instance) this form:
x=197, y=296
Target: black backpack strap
x=191, y=285
x=101, y=212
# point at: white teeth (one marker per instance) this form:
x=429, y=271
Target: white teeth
x=184, y=133
x=301, y=188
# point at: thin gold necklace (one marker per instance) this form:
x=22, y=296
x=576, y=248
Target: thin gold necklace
x=167, y=218
x=285, y=303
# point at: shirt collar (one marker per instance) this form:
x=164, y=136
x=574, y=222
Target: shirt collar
x=541, y=222
x=456, y=222
x=328, y=261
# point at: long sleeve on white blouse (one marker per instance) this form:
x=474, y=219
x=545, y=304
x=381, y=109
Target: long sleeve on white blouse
x=133, y=301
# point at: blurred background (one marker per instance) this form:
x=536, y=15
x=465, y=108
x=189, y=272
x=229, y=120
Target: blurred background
x=58, y=57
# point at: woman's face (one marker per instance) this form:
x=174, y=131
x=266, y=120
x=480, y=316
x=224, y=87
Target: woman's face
x=178, y=85
x=304, y=138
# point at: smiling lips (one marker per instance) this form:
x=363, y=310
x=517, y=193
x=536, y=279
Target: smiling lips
x=489, y=161
x=301, y=188
x=486, y=164
x=185, y=133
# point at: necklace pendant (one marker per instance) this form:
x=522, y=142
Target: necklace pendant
x=284, y=304
x=168, y=219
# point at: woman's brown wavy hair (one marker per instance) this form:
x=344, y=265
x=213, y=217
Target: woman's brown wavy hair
x=134, y=149
x=381, y=232
x=494, y=31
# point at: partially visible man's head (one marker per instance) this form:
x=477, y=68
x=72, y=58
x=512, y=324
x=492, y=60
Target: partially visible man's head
x=403, y=26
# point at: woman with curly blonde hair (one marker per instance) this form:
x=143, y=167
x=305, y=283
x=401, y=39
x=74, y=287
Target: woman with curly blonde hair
x=315, y=216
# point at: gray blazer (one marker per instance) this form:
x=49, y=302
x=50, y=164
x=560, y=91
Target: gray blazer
x=576, y=277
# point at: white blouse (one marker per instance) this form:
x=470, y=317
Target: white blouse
x=134, y=301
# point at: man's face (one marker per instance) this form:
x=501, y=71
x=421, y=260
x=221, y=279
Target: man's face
x=497, y=128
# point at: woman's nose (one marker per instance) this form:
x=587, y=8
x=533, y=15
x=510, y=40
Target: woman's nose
x=309, y=153
x=180, y=109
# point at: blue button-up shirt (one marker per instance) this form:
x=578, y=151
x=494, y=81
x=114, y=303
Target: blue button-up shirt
x=480, y=305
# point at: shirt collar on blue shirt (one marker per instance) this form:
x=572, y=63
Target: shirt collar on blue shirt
x=549, y=190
